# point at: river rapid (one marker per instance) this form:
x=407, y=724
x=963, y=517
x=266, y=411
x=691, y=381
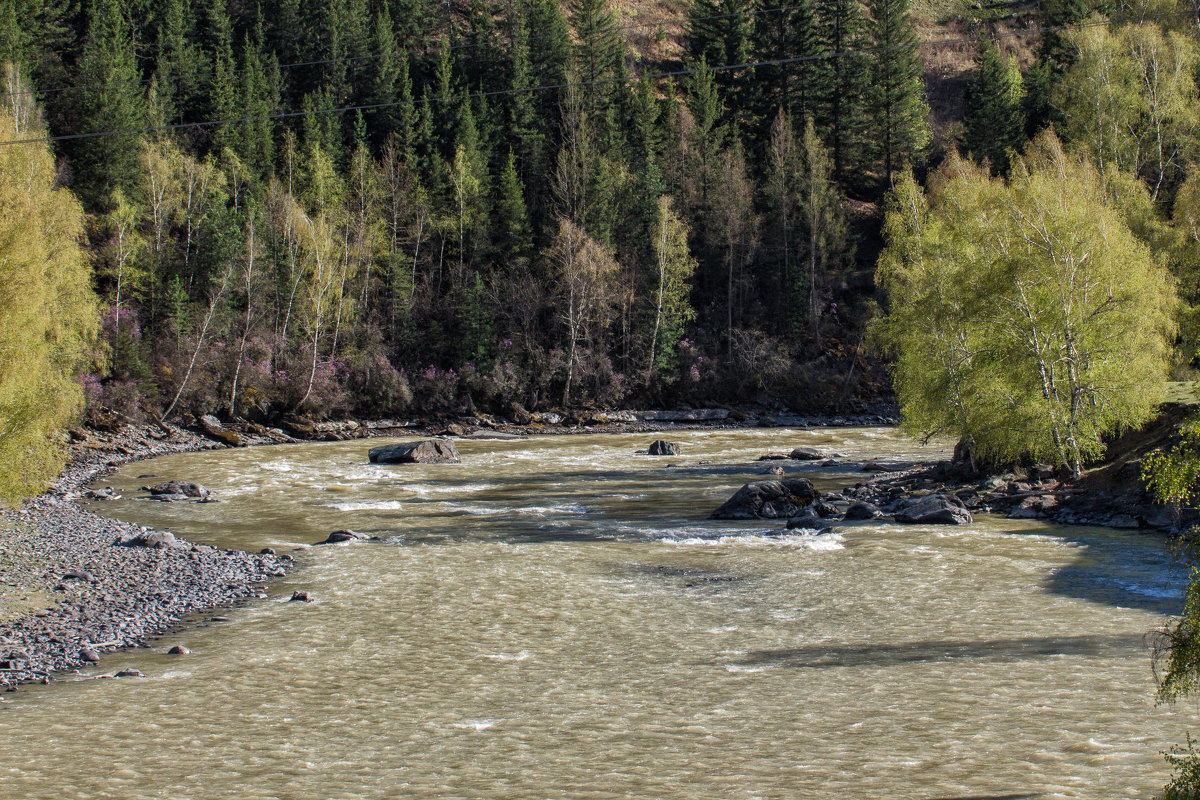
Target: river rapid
x=556, y=618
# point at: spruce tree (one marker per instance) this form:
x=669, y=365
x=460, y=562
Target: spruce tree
x=599, y=60
x=780, y=33
x=112, y=101
x=841, y=84
x=993, y=122
x=896, y=103
x=719, y=33
x=524, y=131
x=223, y=95
x=549, y=56
x=512, y=232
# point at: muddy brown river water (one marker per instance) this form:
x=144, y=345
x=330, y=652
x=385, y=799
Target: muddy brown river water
x=555, y=618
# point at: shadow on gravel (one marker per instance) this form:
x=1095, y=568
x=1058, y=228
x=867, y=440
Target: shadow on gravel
x=1010, y=650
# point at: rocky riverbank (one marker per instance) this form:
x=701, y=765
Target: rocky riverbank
x=76, y=586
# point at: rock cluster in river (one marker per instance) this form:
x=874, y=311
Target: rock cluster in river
x=768, y=500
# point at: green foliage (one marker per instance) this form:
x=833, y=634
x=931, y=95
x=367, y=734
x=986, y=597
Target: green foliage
x=113, y=102
x=48, y=319
x=895, y=99
x=1130, y=98
x=1185, y=782
x=994, y=121
x=672, y=309
x=1025, y=316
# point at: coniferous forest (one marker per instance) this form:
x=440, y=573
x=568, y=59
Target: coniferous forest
x=382, y=207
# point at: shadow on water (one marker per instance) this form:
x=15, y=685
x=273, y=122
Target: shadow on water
x=1120, y=568
x=1003, y=650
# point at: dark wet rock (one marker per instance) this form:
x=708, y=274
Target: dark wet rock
x=805, y=454
x=179, y=650
x=184, y=488
x=934, y=509
x=344, y=536
x=129, y=672
x=774, y=457
x=1124, y=521
x=430, y=451
x=155, y=540
x=768, y=500
x=301, y=597
x=875, y=466
x=807, y=518
x=267, y=551
x=89, y=655
x=863, y=510
x=777, y=471
x=826, y=509
x=664, y=448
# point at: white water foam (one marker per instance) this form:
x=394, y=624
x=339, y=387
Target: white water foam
x=521, y=656
x=379, y=505
x=821, y=543
x=478, y=724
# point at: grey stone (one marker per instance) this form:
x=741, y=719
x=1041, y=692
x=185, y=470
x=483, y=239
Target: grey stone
x=768, y=500
x=863, y=510
x=664, y=448
x=805, y=454
x=934, y=509
x=430, y=451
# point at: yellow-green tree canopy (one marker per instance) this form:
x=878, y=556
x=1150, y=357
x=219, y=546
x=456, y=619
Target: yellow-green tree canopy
x=48, y=315
x=1025, y=317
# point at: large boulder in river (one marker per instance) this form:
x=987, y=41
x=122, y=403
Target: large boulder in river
x=664, y=448
x=806, y=454
x=934, y=509
x=185, y=488
x=768, y=500
x=430, y=451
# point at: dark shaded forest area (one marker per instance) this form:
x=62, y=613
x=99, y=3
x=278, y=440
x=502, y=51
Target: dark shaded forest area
x=374, y=208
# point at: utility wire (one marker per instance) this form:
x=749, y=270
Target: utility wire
x=776, y=62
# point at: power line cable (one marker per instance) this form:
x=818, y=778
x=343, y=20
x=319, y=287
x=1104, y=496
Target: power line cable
x=548, y=87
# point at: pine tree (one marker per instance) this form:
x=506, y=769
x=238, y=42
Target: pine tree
x=524, y=131
x=599, y=60
x=841, y=84
x=260, y=100
x=784, y=33
x=719, y=34
x=223, y=94
x=899, y=115
x=549, y=56
x=113, y=101
x=385, y=77
x=993, y=122
x=513, y=233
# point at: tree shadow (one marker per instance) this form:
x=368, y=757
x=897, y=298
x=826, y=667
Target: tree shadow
x=947, y=650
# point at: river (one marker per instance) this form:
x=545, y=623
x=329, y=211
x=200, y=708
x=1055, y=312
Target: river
x=556, y=618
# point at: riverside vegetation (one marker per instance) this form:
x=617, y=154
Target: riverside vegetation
x=379, y=208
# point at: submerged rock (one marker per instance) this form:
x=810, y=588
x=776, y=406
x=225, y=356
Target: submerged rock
x=429, y=451
x=768, y=500
x=344, y=536
x=664, y=448
x=934, y=509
